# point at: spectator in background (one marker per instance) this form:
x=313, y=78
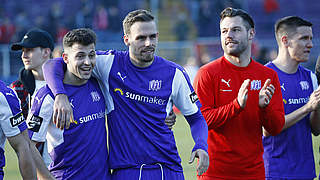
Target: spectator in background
x=55, y=15
x=61, y=31
x=206, y=19
x=100, y=19
x=36, y=47
x=22, y=24
x=84, y=16
x=114, y=19
x=7, y=30
x=270, y=6
x=101, y=23
x=182, y=27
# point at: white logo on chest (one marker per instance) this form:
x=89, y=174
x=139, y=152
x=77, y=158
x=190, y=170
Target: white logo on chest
x=95, y=96
x=255, y=84
x=304, y=85
x=155, y=85
x=71, y=103
x=121, y=77
x=227, y=82
x=282, y=87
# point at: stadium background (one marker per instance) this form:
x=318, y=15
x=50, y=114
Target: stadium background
x=189, y=35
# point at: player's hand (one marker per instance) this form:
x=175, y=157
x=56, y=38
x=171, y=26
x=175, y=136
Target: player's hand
x=203, y=160
x=62, y=112
x=170, y=120
x=314, y=100
x=266, y=93
x=243, y=93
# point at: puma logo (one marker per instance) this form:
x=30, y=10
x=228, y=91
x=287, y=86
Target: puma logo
x=122, y=78
x=71, y=103
x=282, y=87
x=227, y=82
x=37, y=99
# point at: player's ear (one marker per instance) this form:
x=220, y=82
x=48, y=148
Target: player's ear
x=46, y=52
x=284, y=40
x=65, y=58
x=252, y=33
x=126, y=40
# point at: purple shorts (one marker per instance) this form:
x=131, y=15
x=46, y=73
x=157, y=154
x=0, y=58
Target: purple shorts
x=147, y=172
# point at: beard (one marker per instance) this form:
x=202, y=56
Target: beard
x=145, y=56
x=237, y=48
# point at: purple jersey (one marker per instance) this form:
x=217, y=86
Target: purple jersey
x=290, y=154
x=138, y=101
x=79, y=152
x=11, y=119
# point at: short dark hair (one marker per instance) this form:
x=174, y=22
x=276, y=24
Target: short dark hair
x=139, y=15
x=232, y=12
x=289, y=24
x=83, y=36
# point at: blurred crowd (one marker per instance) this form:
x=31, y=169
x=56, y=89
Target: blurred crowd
x=193, y=20
x=58, y=17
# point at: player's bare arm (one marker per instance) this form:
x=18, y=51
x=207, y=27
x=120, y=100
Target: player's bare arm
x=312, y=106
x=22, y=148
x=42, y=171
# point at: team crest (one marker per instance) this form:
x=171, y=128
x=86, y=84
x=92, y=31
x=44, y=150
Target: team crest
x=155, y=85
x=34, y=123
x=255, y=84
x=304, y=85
x=95, y=96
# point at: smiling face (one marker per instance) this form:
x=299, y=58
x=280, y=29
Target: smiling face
x=234, y=36
x=80, y=62
x=142, y=41
x=300, y=44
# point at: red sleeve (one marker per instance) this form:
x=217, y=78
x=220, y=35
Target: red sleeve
x=206, y=88
x=273, y=115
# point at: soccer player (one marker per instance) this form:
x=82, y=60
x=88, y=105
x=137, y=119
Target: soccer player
x=289, y=155
x=36, y=47
x=140, y=89
x=79, y=152
x=239, y=96
x=13, y=127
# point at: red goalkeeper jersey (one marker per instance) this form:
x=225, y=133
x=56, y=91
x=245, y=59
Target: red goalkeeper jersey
x=235, y=134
